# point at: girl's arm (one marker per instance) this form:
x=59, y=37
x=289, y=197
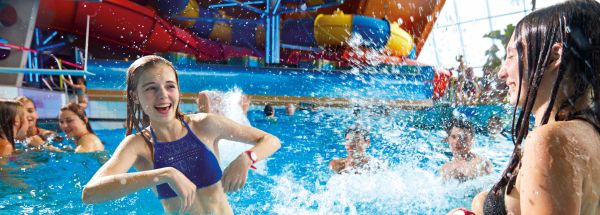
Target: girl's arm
x=265, y=144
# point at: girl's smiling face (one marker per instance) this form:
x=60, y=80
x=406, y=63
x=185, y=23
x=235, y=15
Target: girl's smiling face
x=509, y=72
x=21, y=126
x=71, y=124
x=158, y=93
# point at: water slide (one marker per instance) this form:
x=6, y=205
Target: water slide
x=339, y=29
x=322, y=30
x=145, y=29
x=133, y=26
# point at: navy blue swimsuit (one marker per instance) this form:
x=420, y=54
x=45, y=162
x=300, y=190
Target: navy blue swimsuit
x=188, y=155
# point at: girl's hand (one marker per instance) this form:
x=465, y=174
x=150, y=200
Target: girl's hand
x=185, y=189
x=235, y=175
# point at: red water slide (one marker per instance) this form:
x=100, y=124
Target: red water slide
x=127, y=24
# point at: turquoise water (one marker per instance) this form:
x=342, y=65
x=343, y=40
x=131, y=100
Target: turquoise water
x=296, y=180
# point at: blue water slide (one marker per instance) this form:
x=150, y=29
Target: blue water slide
x=203, y=27
x=374, y=32
x=170, y=7
x=244, y=34
x=299, y=32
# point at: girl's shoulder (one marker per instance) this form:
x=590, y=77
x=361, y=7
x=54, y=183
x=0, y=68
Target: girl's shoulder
x=135, y=143
x=562, y=130
x=90, y=137
x=90, y=140
x=560, y=140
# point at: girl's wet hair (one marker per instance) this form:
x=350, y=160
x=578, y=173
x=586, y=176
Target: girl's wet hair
x=9, y=110
x=80, y=112
x=574, y=24
x=136, y=118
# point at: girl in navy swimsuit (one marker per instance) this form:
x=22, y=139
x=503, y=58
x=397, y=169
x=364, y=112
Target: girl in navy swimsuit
x=174, y=154
x=552, y=69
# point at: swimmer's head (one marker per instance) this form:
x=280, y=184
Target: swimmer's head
x=269, y=110
x=460, y=135
x=30, y=110
x=357, y=140
x=13, y=121
x=494, y=125
x=73, y=120
x=152, y=92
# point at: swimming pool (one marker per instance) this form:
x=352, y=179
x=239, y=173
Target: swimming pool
x=296, y=179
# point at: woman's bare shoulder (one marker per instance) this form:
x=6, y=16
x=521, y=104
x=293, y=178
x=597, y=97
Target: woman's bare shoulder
x=561, y=131
x=90, y=139
x=135, y=143
x=562, y=140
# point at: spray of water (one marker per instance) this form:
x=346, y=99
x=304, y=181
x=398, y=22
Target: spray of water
x=229, y=104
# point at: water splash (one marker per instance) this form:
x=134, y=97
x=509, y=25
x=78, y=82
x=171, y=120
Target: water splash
x=229, y=104
x=403, y=189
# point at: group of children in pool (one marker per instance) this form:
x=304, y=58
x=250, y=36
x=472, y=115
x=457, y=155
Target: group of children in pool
x=552, y=69
x=19, y=123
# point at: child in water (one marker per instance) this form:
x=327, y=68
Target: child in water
x=174, y=154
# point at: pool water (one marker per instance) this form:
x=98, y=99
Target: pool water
x=296, y=179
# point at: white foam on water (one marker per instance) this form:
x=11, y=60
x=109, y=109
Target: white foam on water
x=402, y=189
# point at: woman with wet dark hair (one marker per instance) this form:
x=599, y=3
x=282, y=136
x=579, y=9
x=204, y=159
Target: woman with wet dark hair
x=552, y=69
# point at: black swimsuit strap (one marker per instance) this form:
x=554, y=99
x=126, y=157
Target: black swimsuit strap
x=494, y=203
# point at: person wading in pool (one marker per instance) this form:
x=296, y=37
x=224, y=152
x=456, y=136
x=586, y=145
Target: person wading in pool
x=36, y=136
x=465, y=164
x=357, y=140
x=174, y=154
x=80, y=89
x=74, y=122
x=13, y=125
x=552, y=69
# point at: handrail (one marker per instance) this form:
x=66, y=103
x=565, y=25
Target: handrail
x=45, y=71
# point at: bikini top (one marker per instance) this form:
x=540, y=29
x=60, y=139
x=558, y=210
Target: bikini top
x=191, y=157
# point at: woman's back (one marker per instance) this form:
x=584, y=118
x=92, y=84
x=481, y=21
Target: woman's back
x=585, y=151
x=574, y=164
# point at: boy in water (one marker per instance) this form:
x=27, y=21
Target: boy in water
x=357, y=141
x=465, y=164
